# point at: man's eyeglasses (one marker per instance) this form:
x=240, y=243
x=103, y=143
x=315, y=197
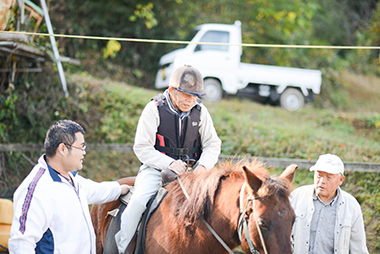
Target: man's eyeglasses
x=83, y=149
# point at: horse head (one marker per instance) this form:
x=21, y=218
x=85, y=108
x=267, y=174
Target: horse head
x=266, y=214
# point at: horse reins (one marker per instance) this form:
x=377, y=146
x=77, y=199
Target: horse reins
x=242, y=222
x=205, y=222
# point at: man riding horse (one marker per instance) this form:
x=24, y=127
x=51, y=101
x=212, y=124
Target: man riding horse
x=174, y=130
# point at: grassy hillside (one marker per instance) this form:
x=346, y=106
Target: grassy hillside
x=246, y=127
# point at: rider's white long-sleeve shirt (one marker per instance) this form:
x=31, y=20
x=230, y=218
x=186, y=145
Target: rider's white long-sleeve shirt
x=145, y=139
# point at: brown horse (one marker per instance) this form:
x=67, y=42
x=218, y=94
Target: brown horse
x=217, y=196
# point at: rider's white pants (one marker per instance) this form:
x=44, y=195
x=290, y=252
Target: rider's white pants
x=146, y=184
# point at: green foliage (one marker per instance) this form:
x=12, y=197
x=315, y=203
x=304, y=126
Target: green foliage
x=364, y=186
x=275, y=22
x=25, y=108
x=125, y=19
x=145, y=12
x=109, y=166
x=111, y=49
x=374, y=29
x=8, y=111
x=332, y=94
x=372, y=121
x=272, y=132
x=116, y=107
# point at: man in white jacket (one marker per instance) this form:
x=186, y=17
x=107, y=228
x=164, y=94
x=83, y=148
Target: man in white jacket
x=51, y=213
x=174, y=129
x=328, y=219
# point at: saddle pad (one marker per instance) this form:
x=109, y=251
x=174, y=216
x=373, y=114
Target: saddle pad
x=110, y=246
x=114, y=227
x=153, y=204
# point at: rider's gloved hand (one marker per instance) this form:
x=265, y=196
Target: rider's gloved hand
x=199, y=168
x=178, y=167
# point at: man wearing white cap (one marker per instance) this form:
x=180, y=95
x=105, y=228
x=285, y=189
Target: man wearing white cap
x=328, y=219
x=174, y=129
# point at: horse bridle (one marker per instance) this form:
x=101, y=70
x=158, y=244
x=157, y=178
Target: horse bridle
x=242, y=222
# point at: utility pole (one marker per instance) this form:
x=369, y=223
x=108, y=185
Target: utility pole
x=54, y=46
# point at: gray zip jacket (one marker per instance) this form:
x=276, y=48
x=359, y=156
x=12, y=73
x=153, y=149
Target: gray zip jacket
x=349, y=235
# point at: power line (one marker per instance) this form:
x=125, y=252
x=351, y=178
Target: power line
x=189, y=42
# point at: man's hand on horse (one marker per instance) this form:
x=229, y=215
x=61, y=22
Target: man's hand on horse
x=124, y=189
x=178, y=167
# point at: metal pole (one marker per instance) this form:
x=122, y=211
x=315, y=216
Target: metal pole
x=54, y=46
x=21, y=4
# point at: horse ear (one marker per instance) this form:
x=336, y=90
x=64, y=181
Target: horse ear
x=253, y=181
x=288, y=174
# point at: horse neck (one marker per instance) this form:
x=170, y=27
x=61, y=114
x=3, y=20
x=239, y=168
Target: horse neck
x=226, y=213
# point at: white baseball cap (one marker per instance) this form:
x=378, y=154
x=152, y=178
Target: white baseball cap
x=329, y=163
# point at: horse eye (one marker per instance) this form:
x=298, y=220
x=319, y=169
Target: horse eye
x=263, y=225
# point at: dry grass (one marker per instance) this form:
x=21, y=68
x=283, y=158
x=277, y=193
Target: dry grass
x=363, y=90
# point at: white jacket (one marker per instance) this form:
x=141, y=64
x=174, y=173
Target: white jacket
x=49, y=211
x=349, y=235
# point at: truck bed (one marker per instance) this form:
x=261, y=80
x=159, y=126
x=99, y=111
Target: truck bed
x=286, y=76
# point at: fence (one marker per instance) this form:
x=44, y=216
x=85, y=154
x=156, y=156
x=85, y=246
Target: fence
x=270, y=162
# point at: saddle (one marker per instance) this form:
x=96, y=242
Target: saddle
x=167, y=177
x=114, y=227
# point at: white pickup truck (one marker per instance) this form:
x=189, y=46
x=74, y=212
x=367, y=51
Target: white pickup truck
x=224, y=73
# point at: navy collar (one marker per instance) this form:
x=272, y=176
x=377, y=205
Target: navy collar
x=54, y=174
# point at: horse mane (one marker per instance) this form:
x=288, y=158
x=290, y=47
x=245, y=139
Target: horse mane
x=203, y=186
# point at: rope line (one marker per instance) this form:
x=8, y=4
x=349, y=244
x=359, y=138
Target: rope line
x=189, y=42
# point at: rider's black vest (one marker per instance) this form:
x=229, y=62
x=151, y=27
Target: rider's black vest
x=175, y=138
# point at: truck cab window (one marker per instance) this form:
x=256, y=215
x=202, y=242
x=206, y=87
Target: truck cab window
x=214, y=36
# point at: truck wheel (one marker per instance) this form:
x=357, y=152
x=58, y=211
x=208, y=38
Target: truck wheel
x=214, y=91
x=292, y=99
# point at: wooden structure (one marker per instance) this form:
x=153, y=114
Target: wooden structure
x=16, y=56
x=15, y=53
